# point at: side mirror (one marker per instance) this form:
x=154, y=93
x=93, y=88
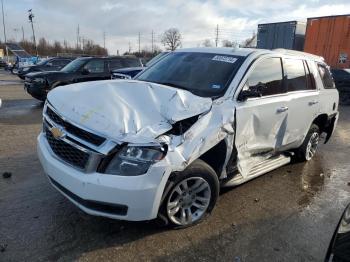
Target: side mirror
x=85, y=71
x=245, y=94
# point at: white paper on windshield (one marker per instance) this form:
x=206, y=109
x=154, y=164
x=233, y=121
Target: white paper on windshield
x=226, y=59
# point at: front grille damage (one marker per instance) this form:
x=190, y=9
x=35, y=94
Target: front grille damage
x=65, y=151
x=78, y=132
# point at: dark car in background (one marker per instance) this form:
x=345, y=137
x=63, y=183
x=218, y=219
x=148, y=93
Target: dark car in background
x=51, y=64
x=342, y=82
x=130, y=72
x=79, y=70
x=2, y=63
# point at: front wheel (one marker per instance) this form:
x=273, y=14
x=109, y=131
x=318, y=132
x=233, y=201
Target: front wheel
x=193, y=195
x=308, y=149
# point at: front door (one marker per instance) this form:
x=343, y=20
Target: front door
x=261, y=122
x=93, y=70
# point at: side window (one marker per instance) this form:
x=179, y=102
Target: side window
x=115, y=64
x=326, y=77
x=311, y=85
x=56, y=62
x=296, y=78
x=95, y=66
x=266, y=77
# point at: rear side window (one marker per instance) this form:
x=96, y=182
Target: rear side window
x=296, y=79
x=326, y=77
x=95, y=66
x=115, y=64
x=266, y=77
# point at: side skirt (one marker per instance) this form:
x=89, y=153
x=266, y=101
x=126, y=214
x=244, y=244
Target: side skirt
x=260, y=169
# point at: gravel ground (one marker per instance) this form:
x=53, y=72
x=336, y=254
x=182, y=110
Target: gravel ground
x=286, y=215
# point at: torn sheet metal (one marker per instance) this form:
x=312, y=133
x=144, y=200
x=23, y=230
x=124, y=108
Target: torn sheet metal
x=208, y=131
x=126, y=110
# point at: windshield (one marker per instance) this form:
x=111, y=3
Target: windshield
x=43, y=61
x=203, y=74
x=156, y=58
x=74, y=65
x=131, y=62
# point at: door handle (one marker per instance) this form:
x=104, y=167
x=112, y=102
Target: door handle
x=282, y=109
x=311, y=103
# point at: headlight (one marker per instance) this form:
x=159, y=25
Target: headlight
x=25, y=69
x=39, y=80
x=135, y=161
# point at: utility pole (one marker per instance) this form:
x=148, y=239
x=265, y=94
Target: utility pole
x=16, y=30
x=129, y=47
x=152, y=41
x=78, y=37
x=30, y=17
x=139, y=43
x=3, y=23
x=104, y=39
x=22, y=33
x=217, y=35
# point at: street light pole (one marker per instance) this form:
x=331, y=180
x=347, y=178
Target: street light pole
x=30, y=17
x=3, y=23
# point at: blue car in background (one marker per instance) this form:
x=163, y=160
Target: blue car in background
x=130, y=72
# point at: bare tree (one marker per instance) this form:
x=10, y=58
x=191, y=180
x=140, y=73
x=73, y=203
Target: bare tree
x=171, y=39
x=227, y=43
x=207, y=43
x=250, y=42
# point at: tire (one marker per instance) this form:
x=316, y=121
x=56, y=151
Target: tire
x=186, y=207
x=308, y=149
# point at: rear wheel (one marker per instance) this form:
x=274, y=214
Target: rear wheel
x=193, y=195
x=308, y=149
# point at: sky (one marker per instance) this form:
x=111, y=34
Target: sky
x=123, y=20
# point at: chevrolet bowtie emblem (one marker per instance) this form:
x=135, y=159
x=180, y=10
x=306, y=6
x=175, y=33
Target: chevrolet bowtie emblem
x=57, y=132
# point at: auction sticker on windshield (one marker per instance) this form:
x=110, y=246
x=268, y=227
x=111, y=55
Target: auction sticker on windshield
x=227, y=59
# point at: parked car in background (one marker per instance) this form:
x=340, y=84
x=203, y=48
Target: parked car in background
x=130, y=72
x=342, y=82
x=51, y=64
x=2, y=63
x=164, y=143
x=79, y=70
x=339, y=248
x=341, y=78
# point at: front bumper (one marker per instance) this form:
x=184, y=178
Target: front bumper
x=134, y=198
x=36, y=90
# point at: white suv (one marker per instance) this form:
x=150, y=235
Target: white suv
x=199, y=119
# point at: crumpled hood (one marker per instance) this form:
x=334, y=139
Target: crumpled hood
x=126, y=110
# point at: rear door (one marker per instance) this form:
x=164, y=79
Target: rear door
x=261, y=122
x=303, y=105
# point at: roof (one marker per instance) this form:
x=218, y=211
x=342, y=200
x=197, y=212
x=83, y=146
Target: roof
x=328, y=16
x=297, y=53
x=221, y=50
x=248, y=51
x=285, y=22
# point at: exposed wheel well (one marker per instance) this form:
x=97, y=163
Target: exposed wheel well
x=321, y=121
x=216, y=156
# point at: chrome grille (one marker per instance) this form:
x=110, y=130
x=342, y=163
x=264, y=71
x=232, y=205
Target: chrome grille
x=76, y=131
x=65, y=151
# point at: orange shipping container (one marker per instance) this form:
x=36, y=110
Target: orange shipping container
x=329, y=37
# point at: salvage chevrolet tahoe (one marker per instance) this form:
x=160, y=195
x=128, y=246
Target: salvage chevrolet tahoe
x=162, y=145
